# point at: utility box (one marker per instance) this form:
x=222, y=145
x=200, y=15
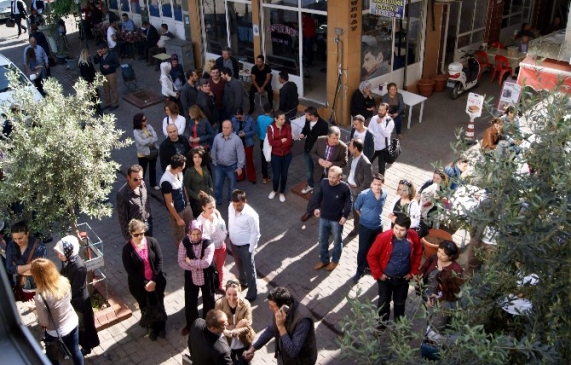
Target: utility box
x=184, y=51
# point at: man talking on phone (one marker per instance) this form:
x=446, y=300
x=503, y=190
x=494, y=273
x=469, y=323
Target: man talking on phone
x=292, y=327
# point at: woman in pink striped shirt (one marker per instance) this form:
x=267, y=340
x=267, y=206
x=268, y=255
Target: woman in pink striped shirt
x=194, y=256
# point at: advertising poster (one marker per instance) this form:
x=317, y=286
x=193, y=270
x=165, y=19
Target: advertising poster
x=388, y=8
x=475, y=105
x=511, y=92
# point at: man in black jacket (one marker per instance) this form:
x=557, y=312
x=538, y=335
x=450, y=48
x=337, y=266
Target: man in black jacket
x=289, y=98
x=233, y=94
x=188, y=93
x=314, y=127
x=227, y=60
x=205, y=100
x=18, y=12
x=108, y=63
x=206, y=344
x=151, y=38
x=173, y=145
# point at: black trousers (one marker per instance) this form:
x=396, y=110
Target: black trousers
x=18, y=21
x=191, y=299
x=395, y=289
x=155, y=298
x=382, y=155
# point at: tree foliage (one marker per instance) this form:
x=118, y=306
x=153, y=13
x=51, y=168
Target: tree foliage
x=57, y=161
x=531, y=213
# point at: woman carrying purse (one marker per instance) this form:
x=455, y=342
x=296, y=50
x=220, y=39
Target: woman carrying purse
x=147, y=149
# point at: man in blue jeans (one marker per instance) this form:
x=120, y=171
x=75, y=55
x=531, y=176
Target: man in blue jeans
x=228, y=158
x=394, y=259
x=369, y=207
x=333, y=202
x=314, y=127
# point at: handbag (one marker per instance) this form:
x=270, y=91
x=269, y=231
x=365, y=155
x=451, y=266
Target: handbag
x=154, y=153
x=10, y=23
x=422, y=229
x=211, y=275
x=393, y=149
x=18, y=290
x=152, y=314
x=268, y=147
x=55, y=349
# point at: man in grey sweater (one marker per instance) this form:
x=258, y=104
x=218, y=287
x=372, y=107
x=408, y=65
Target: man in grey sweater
x=233, y=94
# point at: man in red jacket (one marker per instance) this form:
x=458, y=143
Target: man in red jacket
x=394, y=258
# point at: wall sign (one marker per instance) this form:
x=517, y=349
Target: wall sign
x=354, y=15
x=388, y=8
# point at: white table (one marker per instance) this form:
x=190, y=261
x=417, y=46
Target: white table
x=410, y=99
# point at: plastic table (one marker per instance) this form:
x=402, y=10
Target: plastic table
x=410, y=99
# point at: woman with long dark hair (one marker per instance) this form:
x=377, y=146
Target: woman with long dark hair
x=197, y=179
x=146, y=141
x=279, y=136
x=54, y=309
x=75, y=270
x=397, y=106
x=143, y=261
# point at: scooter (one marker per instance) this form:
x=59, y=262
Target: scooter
x=462, y=78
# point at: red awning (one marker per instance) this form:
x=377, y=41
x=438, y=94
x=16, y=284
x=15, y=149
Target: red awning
x=545, y=75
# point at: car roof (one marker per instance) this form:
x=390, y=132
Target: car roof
x=4, y=60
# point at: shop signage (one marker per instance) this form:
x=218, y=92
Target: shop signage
x=475, y=105
x=388, y=8
x=509, y=96
x=354, y=15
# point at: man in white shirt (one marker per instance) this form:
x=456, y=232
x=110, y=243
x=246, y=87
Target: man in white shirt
x=112, y=35
x=361, y=132
x=381, y=126
x=360, y=177
x=244, y=231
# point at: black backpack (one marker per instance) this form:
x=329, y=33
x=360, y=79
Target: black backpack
x=211, y=275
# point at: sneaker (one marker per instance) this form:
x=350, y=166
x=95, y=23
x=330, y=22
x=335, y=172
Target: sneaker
x=356, y=278
x=282, y=198
x=153, y=336
x=307, y=189
x=272, y=195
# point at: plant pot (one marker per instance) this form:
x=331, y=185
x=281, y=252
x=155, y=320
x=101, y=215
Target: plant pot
x=72, y=63
x=62, y=58
x=425, y=87
x=440, y=82
x=432, y=241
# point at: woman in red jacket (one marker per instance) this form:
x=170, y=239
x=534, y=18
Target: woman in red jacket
x=279, y=136
x=394, y=258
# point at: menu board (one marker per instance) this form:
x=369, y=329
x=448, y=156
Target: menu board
x=511, y=92
x=475, y=105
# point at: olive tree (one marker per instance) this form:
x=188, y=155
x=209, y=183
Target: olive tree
x=57, y=160
x=530, y=209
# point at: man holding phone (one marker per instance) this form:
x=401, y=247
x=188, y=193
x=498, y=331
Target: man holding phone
x=292, y=327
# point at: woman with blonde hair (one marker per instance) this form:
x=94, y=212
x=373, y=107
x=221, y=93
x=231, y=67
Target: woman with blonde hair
x=55, y=312
x=199, y=129
x=239, y=332
x=406, y=204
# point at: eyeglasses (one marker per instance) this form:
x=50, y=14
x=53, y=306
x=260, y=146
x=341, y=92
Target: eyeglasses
x=144, y=119
x=405, y=182
x=137, y=235
x=136, y=179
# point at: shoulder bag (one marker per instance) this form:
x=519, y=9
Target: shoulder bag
x=153, y=152
x=10, y=23
x=55, y=349
x=211, y=275
x=393, y=149
x=152, y=314
x=268, y=147
x=18, y=290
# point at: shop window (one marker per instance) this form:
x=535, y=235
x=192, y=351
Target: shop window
x=214, y=14
x=241, y=34
x=516, y=12
x=314, y=5
x=292, y=3
x=154, y=8
x=167, y=8
x=125, y=5
x=376, y=46
x=177, y=7
x=282, y=40
x=113, y=5
x=471, y=23
x=135, y=7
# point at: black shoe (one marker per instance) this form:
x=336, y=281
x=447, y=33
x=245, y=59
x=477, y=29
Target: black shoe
x=162, y=334
x=254, y=182
x=111, y=108
x=153, y=336
x=356, y=278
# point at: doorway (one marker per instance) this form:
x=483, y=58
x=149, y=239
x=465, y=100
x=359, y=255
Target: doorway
x=314, y=51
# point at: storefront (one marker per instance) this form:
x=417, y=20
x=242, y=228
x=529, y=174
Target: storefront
x=327, y=46
x=169, y=12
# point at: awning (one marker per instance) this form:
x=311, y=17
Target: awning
x=547, y=74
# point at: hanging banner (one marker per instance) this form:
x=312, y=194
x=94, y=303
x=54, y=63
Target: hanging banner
x=388, y=8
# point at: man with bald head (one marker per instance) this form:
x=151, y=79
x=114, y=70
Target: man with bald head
x=173, y=145
x=228, y=158
x=41, y=56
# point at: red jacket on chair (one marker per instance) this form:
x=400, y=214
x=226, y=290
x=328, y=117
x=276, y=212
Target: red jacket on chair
x=380, y=253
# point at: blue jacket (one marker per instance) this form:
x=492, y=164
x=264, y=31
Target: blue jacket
x=203, y=130
x=248, y=126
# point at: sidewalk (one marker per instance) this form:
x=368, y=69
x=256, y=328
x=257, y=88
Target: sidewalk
x=287, y=249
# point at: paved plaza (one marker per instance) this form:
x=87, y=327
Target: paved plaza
x=288, y=249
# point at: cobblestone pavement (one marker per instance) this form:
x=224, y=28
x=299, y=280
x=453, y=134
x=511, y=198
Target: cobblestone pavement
x=288, y=248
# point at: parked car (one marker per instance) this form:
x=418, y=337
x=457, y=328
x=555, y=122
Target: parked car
x=5, y=91
x=5, y=9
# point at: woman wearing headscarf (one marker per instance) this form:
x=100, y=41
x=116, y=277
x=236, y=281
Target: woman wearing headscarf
x=194, y=256
x=75, y=270
x=363, y=102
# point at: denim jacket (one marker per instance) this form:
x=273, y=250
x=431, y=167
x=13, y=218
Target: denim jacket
x=248, y=127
